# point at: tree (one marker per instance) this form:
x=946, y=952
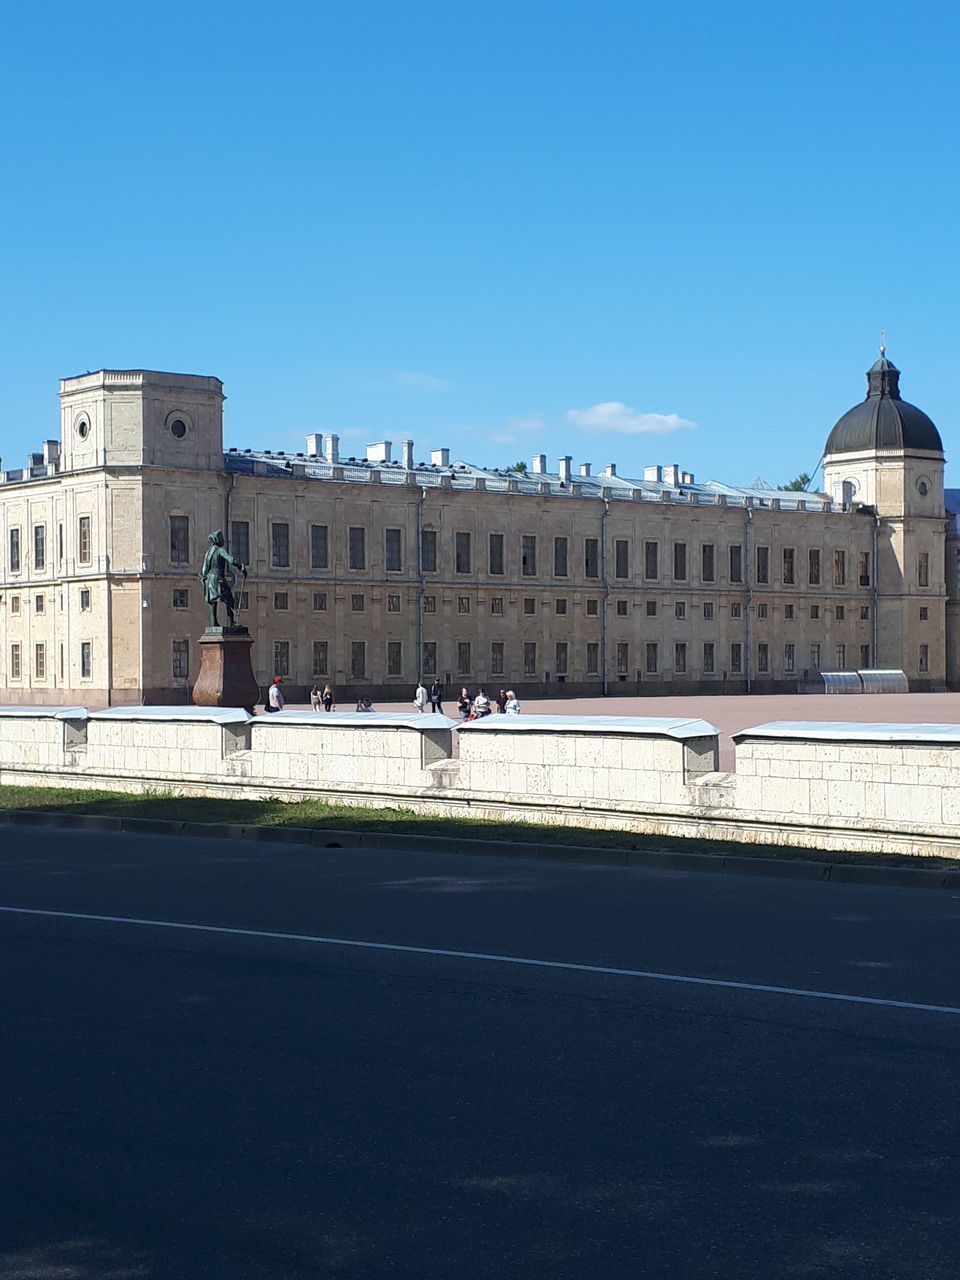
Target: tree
x=519, y=467
x=799, y=485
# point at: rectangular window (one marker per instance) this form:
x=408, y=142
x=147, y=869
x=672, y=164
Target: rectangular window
x=815, y=657
x=560, y=558
x=39, y=546
x=179, y=539
x=319, y=547
x=708, y=566
x=623, y=659
x=736, y=563
x=320, y=659
x=736, y=657
x=496, y=658
x=16, y=671
x=621, y=608
x=14, y=550
x=924, y=613
x=86, y=659
x=180, y=655
x=736, y=609
x=319, y=601
x=788, y=612
x=593, y=659
x=529, y=605
x=181, y=598
x=280, y=545
x=40, y=661
x=863, y=568
x=429, y=658
x=841, y=612
x=680, y=609
x=763, y=564
x=707, y=610
x=528, y=556
x=281, y=657
x=495, y=541
x=240, y=540
x=560, y=607
x=60, y=544
x=789, y=566
x=621, y=558
x=864, y=613
x=651, y=658
x=463, y=604
x=429, y=604
x=281, y=600
x=356, y=548
x=85, y=600
x=496, y=605
x=462, y=552
x=463, y=657
x=591, y=558
x=709, y=658
x=813, y=566
x=679, y=562
x=789, y=657
x=529, y=658
x=841, y=657
x=394, y=658
x=393, y=550
x=561, y=658
x=762, y=610
x=393, y=604
x=39, y=603
x=428, y=551
x=923, y=569
x=763, y=658
x=814, y=612
x=358, y=660
x=839, y=567
x=651, y=561
x=680, y=658
x=357, y=603
x=864, y=655
x=593, y=608
x=651, y=608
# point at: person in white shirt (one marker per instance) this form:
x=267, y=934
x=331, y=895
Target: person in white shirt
x=513, y=704
x=275, y=697
x=481, y=705
x=420, y=697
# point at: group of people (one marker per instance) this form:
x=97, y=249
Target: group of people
x=434, y=697
x=323, y=699
x=506, y=703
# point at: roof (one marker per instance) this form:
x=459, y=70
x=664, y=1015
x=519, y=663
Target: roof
x=883, y=421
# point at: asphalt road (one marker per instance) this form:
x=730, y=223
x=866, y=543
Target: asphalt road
x=187, y=1103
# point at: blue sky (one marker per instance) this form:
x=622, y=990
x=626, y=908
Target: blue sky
x=629, y=232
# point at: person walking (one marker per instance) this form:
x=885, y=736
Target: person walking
x=315, y=698
x=464, y=705
x=327, y=698
x=436, y=697
x=501, y=701
x=275, y=696
x=420, y=697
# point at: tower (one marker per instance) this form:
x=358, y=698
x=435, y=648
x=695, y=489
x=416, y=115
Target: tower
x=885, y=456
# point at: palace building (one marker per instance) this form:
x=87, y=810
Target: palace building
x=368, y=573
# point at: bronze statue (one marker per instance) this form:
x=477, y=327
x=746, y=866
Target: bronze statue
x=215, y=584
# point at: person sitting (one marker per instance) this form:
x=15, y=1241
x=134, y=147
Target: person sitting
x=364, y=704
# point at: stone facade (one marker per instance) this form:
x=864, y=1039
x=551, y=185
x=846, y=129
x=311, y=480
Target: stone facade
x=369, y=573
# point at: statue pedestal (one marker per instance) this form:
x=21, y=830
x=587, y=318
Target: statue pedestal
x=226, y=676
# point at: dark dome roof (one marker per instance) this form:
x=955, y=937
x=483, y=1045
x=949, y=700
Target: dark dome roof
x=883, y=420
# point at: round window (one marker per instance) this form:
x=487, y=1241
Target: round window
x=178, y=428
x=83, y=429
x=923, y=488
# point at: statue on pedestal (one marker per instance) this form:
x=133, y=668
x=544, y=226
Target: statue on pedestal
x=216, y=588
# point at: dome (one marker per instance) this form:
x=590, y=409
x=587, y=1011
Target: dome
x=883, y=421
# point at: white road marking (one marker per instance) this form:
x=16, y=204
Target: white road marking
x=650, y=975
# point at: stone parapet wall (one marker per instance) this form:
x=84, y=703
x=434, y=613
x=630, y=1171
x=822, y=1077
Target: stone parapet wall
x=873, y=788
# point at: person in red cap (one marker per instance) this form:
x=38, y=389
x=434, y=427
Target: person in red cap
x=275, y=697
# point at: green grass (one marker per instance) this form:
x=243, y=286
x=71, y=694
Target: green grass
x=317, y=813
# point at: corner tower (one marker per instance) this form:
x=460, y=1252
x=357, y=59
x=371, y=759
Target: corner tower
x=886, y=457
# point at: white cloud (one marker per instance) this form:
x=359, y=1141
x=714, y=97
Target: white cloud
x=421, y=381
x=514, y=428
x=614, y=416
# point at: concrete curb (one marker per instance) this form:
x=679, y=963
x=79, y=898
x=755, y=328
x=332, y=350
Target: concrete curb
x=651, y=859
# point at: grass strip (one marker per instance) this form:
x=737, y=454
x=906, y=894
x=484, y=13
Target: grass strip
x=275, y=812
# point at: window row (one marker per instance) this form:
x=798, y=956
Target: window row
x=41, y=666
x=16, y=553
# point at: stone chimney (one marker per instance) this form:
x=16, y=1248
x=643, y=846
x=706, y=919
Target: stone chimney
x=314, y=445
x=380, y=452
x=407, y=447
x=440, y=457
x=610, y=469
x=333, y=449
x=584, y=468
x=539, y=464
x=565, y=469
x=653, y=474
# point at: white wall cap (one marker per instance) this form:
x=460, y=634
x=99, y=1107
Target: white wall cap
x=212, y=715
x=360, y=719
x=651, y=727
x=48, y=713
x=837, y=731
